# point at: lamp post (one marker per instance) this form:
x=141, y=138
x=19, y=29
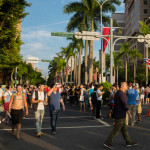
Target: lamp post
x=101, y=8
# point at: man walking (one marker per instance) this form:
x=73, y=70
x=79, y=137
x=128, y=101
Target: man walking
x=132, y=94
x=54, y=106
x=99, y=95
x=120, y=110
x=39, y=99
x=16, y=106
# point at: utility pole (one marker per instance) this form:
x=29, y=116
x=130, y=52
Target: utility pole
x=146, y=55
x=111, y=51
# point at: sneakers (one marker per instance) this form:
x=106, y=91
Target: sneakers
x=132, y=144
x=38, y=134
x=108, y=146
x=41, y=133
x=53, y=133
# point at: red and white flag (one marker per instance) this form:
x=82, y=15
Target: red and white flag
x=106, y=31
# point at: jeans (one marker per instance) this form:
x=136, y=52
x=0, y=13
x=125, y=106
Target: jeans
x=39, y=114
x=98, y=108
x=120, y=125
x=132, y=109
x=54, y=117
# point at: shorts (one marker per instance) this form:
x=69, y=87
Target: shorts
x=6, y=106
x=16, y=116
x=139, y=109
x=111, y=106
x=82, y=102
x=142, y=96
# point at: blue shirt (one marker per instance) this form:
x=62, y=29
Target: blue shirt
x=54, y=102
x=91, y=91
x=132, y=96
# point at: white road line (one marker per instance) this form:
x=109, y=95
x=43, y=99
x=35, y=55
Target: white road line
x=103, y=122
x=75, y=117
x=67, y=117
x=76, y=127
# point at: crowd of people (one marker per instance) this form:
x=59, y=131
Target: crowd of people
x=124, y=102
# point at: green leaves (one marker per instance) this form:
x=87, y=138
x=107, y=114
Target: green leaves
x=11, y=12
x=145, y=29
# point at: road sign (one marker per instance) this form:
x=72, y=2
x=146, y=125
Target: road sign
x=63, y=34
x=90, y=35
x=45, y=60
x=147, y=38
x=78, y=35
x=140, y=38
x=87, y=35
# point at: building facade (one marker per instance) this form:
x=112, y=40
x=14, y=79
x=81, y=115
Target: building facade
x=135, y=11
x=119, y=18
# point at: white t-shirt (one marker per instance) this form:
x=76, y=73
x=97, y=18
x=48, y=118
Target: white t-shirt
x=8, y=95
x=82, y=96
x=99, y=98
x=40, y=97
x=1, y=93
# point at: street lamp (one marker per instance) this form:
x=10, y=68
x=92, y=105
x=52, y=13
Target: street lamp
x=101, y=8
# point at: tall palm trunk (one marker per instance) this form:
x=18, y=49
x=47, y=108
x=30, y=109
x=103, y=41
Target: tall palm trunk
x=79, y=71
x=134, y=71
x=67, y=71
x=59, y=77
x=75, y=57
x=71, y=71
x=86, y=55
x=91, y=62
x=91, y=56
x=56, y=77
x=77, y=62
x=117, y=73
x=126, y=69
x=63, y=76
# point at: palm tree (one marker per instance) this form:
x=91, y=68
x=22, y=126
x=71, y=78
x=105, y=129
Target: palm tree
x=125, y=53
x=95, y=67
x=117, y=63
x=67, y=53
x=134, y=54
x=77, y=46
x=86, y=13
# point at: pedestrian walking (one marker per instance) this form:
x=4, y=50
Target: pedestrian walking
x=16, y=109
x=99, y=95
x=120, y=110
x=7, y=97
x=54, y=106
x=132, y=94
x=39, y=100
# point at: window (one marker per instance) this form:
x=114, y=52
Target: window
x=145, y=2
x=145, y=11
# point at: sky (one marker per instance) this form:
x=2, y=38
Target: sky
x=46, y=16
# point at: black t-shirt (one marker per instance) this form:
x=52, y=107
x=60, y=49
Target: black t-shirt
x=70, y=92
x=120, y=107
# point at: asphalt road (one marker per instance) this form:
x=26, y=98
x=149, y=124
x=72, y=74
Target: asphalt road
x=75, y=131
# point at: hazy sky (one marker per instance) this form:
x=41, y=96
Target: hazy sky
x=46, y=16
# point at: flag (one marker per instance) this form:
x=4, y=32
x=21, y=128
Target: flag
x=147, y=61
x=106, y=31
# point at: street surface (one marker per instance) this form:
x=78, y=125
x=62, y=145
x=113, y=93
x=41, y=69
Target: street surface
x=75, y=131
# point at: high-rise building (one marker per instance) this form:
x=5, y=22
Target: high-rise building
x=119, y=18
x=135, y=11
